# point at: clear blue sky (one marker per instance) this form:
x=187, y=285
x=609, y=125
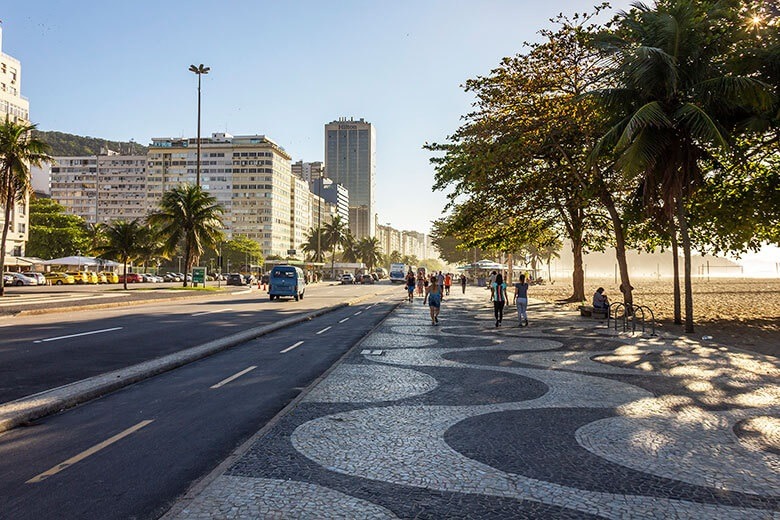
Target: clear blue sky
x=118, y=70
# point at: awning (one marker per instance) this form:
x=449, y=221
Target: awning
x=17, y=261
x=83, y=261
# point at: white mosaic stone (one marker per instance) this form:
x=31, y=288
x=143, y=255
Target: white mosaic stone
x=244, y=498
x=370, y=383
x=389, y=341
x=405, y=446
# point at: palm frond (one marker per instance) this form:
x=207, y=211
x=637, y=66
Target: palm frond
x=649, y=115
x=700, y=125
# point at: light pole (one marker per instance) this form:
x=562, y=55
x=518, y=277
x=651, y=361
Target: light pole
x=199, y=71
x=319, y=217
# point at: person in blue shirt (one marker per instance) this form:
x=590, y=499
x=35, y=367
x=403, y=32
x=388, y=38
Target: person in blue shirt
x=433, y=295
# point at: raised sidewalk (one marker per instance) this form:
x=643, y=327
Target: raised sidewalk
x=562, y=419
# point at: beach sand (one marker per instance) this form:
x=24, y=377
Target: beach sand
x=743, y=313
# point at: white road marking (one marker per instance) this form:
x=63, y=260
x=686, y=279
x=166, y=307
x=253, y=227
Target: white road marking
x=288, y=349
x=77, y=335
x=210, y=312
x=357, y=313
x=324, y=330
x=233, y=377
x=342, y=321
x=84, y=454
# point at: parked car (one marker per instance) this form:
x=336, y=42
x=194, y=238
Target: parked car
x=347, y=278
x=111, y=277
x=250, y=279
x=38, y=277
x=57, y=278
x=92, y=277
x=7, y=279
x=171, y=277
x=79, y=276
x=236, y=279
x=149, y=278
x=367, y=279
x=131, y=278
x=101, y=278
x=20, y=279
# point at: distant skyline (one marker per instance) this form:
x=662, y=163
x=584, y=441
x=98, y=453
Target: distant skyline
x=284, y=69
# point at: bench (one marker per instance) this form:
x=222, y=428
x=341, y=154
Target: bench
x=589, y=312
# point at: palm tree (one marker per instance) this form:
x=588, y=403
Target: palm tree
x=334, y=235
x=314, y=253
x=394, y=257
x=673, y=103
x=95, y=235
x=548, y=253
x=190, y=215
x=123, y=241
x=350, y=250
x=18, y=151
x=370, y=251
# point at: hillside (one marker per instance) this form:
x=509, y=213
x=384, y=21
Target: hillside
x=63, y=144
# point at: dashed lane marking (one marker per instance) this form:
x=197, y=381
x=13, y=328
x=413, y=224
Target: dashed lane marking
x=342, y=321
x=77, y=335
x=233, y=377
x=324, y=330
x=210, y=312
x=296, y=345
x=84, y=454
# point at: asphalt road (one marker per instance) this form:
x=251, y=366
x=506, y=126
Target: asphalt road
x=130, y=454
x=38, y=353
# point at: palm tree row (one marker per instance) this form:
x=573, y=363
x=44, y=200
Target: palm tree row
x=334, y=237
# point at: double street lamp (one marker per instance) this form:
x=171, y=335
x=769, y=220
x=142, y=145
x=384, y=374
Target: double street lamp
x=200, y=70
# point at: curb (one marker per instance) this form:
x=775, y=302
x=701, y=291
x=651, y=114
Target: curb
x=36, y=406
x=199, y=486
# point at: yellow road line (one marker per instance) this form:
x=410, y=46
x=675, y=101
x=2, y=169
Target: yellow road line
x=84, y=454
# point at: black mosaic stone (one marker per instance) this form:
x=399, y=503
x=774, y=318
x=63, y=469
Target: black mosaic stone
x=540, y=444
x=275, y=458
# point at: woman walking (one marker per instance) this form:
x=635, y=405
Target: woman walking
x=521, y=300
x=433, y=294
x=498, y=288
x=410, y=285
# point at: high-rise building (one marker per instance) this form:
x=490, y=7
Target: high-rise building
x=350, y=160
x=308, y=171
x=249, y=175
x=334, y=194
x=300, y=214
x=101, y=188
x=16, y=108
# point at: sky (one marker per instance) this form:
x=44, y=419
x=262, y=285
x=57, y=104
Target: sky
x=118, y=70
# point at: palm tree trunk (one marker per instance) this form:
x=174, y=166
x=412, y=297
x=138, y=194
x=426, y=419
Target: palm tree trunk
x=186, y=262
x=333, y=265
x=124, y=262
x=6, y=224
x=620, y=250
x=676, y=281
x=682, y=218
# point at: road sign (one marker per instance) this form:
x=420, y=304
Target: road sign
x=291, y=252
x=199, y=275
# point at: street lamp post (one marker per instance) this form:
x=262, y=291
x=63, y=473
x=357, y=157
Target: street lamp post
x=199, y=71
x=319, y=217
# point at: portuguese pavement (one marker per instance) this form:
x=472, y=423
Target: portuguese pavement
x=560, y=419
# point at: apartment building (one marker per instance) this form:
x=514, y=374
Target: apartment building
x=16, y=108
x=100, y=188
x=308, y=171
x=300, y=214
x=334, y=194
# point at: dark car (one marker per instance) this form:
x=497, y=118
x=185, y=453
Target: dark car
x=235, y=279
x=366, y=278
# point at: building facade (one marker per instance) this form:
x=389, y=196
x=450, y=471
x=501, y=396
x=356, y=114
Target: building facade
x=16, y=108
x=249, y=175
x=308, y=171
x=334, y=194
x=101, y=188
x=350, y=160
x=300, y=215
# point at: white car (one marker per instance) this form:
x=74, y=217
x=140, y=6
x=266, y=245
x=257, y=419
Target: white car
x=20, y=279
x=347, y=278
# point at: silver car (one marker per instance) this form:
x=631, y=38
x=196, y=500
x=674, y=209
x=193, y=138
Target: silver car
x=39, y=277
x=20, y=279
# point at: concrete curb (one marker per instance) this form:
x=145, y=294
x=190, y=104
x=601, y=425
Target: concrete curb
x=30, y=408
x=200, y=485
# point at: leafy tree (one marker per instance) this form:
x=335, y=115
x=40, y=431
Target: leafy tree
x=350, y=249
x=409, y=260
x=123, y=243
x=394, y=257
x=241, y=248
x=63, y=144
x=673, y=103
x=190, y=216
x=432, y=265
x=54, y=233
x=18, y=151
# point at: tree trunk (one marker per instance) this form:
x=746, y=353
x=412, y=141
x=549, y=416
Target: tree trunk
x=682, y=218
x=578, y=275
x=333, y=265
x=549, y=275
x=676, y=281
x=124, y=262
x=186, y=262
x=6, y=224
x=620, y=250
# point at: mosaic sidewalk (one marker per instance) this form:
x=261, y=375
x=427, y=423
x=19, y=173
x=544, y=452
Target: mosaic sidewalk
x=554, y=420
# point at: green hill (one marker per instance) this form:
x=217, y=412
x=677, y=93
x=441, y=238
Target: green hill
x=63, y=144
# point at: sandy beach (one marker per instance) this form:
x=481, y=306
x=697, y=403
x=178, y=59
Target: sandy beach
x=737, y=312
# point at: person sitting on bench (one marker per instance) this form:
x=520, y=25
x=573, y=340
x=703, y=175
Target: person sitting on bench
x=600, y=300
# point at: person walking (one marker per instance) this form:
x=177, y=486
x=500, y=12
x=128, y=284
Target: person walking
x=498, y=288
x=410, y=283
x=420, y=284
x=433, y=296
x=447, y=283
x=521, y=300
x=463, y=283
